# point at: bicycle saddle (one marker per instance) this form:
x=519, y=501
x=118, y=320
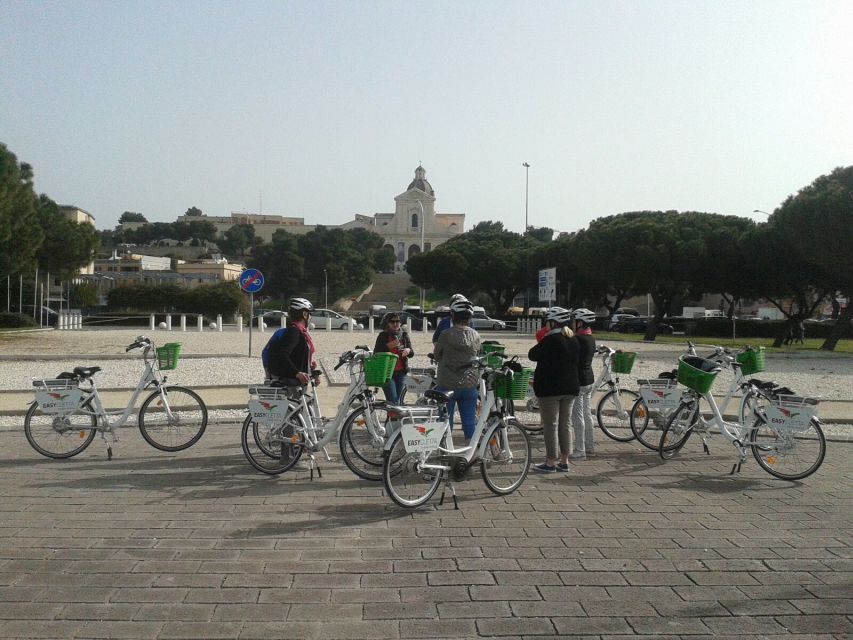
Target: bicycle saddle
x=438, y=396
x=285, y=382
x=668, y=375
x=79, y=372
x=763, y=385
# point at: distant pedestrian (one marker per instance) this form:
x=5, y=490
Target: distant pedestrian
x=801, y=332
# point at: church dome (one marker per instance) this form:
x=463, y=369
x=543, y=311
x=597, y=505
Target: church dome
x=420, y=182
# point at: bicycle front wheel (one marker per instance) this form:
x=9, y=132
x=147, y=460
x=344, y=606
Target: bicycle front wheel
x=678, y=429
x=172, y=418
x=271, y=449
x=408, y=484
x=506, y=460
x=787, y=454
x=60, y=436
x=613, y=414
x=360, y=451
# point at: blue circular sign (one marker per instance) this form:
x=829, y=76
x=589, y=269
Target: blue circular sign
x=251, y=280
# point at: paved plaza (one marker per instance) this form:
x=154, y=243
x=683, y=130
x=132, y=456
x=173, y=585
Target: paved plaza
x=199, y=545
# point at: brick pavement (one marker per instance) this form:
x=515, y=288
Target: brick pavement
x=199, y=545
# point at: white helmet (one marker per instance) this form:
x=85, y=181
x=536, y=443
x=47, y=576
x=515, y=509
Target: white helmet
x=301, y=304
x=462, y=306
x=455, y=297
x=584, y=315
x=558, y=315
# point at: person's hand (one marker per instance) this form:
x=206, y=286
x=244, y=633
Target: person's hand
x=405, y=352
x=317, y=381
x=303, y=378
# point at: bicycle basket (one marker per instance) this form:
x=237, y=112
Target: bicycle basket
x=751, y=361
x=791, y=413
x=660, y=393
x=60, y=396
x=167, y=356
x=267, y=405
x=697, y=373
x=419, y=380
x=513, y=387
x=623, y=361
x=379, y=368
x=494, y=353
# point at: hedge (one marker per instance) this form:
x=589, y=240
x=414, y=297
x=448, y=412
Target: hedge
x=224, y=298
x=16, y=321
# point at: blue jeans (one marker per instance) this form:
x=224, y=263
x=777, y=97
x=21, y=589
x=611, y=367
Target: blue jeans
x=467, y=401
x=395, y=387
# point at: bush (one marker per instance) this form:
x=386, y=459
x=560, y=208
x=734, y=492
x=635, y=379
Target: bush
x=722, y=328
x=16, y=321
x=210, y=300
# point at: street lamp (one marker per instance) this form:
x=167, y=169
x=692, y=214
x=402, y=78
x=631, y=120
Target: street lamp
x=760, y=211
x=423, y=227
x=326, y=280
x=526, y=183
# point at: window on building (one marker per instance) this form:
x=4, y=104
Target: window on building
x=414, y=221
x=427, y=247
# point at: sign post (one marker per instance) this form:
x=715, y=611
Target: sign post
x=251, y=281
x=548, y=284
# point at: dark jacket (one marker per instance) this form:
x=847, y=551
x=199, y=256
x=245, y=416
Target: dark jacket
x=384, y=342
x=289, y=356
x=586, y=353
x=556, y=359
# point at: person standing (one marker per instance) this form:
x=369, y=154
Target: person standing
x=555, y=383
x=291, y=359
x=584, y=447
x=446, y=322
x=393, y=339
x=455, y=351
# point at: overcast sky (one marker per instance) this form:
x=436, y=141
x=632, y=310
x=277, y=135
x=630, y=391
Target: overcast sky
x=323, y=110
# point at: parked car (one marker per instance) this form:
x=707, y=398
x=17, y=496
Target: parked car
x=320, y=317
x=417, y=323
x=482, y=321
x=616, y=318
x=633, y=324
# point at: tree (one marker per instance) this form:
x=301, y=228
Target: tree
x=193, y=211
x=281, y=264
x=20, y=234
x=131, y=216
x=818, y=225
x=237, y=239
x=66, y=245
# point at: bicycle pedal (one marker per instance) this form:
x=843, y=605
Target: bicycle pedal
x=705, y=447
x=455, y=503
x=109, y=453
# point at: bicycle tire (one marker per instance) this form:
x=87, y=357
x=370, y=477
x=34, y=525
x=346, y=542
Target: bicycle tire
x=773, y=454
x=514, y=443
x=59, y=427
x=182, y=429
x=262, y=460
x=616, y=427
x=355, y=442
x=678, y=429
x=399, y=469
x=645, y=426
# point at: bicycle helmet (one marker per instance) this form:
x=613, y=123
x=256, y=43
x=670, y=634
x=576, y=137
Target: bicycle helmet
x=584, y=315
x=558, y=315
x=389, y=317
x=301, y=304
x=457, y=296
x=462, y=308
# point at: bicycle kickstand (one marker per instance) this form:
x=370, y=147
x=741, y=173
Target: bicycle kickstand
x=705, y=447
x=108, y=445
x=312, y=464
x=741, y=459
x=452, y=493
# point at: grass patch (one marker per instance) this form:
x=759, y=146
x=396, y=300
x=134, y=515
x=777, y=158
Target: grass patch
x=811, y=344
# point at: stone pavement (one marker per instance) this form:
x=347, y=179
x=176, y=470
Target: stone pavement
x=199, y=545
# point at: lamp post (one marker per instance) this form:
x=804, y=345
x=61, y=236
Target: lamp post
x=423, y=227
x=760, y=211
x=526, y=183
x=326, y=287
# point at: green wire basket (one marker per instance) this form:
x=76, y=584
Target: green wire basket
x=379, y=368
x=167, y=356
x=751, y=361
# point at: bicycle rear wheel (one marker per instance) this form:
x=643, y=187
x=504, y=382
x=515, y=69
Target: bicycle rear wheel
x=271, y=448
x=647, y=425
x=613, y=414
x=60, y=436
x=785, y=454
x=177, y=428
x=678, y=429
x=407, y=484
x=359, y=451
x=506, y=460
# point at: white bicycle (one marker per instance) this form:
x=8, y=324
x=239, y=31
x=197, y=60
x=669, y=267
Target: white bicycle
x=421, y=454
x=68, y=412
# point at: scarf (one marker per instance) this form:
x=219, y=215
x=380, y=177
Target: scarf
x=586, y=331
x=304, y=331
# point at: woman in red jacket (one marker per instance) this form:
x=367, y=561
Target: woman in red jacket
x=392, y=339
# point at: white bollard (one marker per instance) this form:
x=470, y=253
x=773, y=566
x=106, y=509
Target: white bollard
x=351, y=325
x=328, y=324
x=261, y=324
x=183, y=322
x=425, y=326
x=409, y=326
x=61, y=322
x=79, y=318
x=168, y=322
x=370, y=324
x=219, y=322
x=240, y=324
x=283, y=321
x=152, y=322
x=200, y=321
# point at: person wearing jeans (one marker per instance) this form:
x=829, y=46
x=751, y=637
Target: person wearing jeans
x=555, y=383
x=582, y=424
x=394, y=339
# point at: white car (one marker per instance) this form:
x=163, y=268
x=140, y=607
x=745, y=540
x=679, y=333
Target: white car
x=616, y=318
x=318, y=317
x=482, y=321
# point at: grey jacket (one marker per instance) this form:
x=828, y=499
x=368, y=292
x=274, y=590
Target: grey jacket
x=455, y=349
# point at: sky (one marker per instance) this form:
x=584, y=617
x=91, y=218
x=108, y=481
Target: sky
x=323, y=110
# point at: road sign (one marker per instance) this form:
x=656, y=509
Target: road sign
x=251, y=280
x=548, y=284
